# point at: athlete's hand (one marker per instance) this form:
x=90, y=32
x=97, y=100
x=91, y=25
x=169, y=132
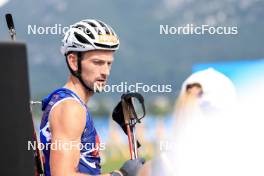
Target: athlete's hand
x=130, y=168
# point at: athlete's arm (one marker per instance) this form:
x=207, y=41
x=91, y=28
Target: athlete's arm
x=67, y=122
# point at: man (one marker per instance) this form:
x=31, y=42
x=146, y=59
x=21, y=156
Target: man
x=89, y=46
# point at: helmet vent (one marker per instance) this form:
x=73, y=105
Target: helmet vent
x=105, y=46
x=91, y=24
x=105, y=27
x=85, y=30
x=81, y=39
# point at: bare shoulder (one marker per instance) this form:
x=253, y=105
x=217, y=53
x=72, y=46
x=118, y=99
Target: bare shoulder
x=67, y=119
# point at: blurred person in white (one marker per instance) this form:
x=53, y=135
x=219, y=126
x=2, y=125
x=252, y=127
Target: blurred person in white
x=204, y=94
x=208, y=139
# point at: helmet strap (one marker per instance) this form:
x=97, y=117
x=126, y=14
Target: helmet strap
x=78, y=73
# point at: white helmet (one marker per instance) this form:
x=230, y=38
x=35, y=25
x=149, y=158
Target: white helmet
x=219, y=92
x=89, y=34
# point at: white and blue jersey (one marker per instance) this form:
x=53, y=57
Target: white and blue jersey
x=89, y=160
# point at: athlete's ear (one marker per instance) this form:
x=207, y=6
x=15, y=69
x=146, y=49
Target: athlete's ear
x=73, y=61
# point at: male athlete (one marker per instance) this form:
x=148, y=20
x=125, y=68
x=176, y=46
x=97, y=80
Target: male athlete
x=88, y=46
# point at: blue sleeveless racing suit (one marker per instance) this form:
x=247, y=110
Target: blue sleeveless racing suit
x=89, y=159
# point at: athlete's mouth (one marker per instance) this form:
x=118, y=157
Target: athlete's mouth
x=101, y=81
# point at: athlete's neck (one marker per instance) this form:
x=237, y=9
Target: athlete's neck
x=74, y=85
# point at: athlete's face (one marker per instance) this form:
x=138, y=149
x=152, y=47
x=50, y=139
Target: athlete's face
x=96, y=66
x=194, y=90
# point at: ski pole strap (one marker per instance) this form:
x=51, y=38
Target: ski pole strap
x=128, y=99
x=118, y=114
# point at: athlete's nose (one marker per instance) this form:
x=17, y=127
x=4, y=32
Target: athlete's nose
x=106, y=70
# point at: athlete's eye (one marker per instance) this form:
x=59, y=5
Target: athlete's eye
x=109, y=63
x=98, y=62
